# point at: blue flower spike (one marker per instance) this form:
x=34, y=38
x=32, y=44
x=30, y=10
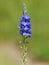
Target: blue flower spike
x=25, y=26
x=25, y=32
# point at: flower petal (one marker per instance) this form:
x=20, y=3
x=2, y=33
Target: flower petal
x=25, y=18
x=21, y=26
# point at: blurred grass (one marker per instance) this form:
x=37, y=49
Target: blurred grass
x=10, y=12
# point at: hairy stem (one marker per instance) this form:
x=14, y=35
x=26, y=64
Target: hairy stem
x=24, y=48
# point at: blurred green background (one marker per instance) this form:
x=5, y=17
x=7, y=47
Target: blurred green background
x=38, y=10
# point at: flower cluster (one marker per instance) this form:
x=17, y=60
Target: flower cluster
x=25, y=26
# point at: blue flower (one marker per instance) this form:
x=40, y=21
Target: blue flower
x=25, y=18
x=25, y=25
x=25, y=33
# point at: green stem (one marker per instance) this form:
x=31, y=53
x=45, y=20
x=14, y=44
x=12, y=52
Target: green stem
x=24, y=48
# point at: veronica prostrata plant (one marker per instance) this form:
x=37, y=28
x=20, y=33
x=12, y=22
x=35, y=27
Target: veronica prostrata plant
x=25, y=32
